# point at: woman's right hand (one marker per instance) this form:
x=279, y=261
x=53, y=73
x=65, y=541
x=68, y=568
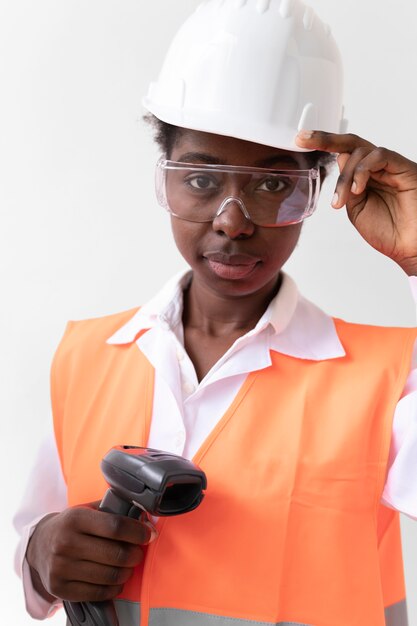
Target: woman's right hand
x=84, y=554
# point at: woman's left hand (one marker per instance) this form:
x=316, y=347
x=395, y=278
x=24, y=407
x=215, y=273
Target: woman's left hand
x=379, y=188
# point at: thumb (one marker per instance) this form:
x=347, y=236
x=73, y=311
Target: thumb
x=342, y=159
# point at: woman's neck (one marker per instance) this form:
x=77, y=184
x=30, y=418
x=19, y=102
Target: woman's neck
x=215, y=315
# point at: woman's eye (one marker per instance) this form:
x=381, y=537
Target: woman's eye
x=272, y=184
x=202, y=182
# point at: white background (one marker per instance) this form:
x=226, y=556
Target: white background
x=81, y=234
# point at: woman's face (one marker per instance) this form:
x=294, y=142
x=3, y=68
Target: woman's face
x=231, y=256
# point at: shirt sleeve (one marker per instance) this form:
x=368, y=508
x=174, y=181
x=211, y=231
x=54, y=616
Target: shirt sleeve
x=400, y=491
x=45, y=493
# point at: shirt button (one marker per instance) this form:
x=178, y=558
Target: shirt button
x=180, y=355
x=188, y=388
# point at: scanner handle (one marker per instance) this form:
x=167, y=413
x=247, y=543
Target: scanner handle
x=101, y=613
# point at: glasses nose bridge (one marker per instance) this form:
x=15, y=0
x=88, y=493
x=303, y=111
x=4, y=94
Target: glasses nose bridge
x=234, y=187
x=233, y=200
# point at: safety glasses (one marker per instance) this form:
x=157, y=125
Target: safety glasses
x=268, y=197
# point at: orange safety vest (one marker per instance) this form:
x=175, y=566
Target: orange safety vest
x=291, y=530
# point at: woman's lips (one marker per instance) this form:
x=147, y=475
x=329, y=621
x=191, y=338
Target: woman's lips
x=231, y=267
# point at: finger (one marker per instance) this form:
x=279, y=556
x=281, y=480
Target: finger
x=99, y=550
x=96, y=573
x=346, y=185
x=63, y=576
x=110, y=526
x=93, y=505
x=87, y=592
x=383, y=166
x=378, y=164
x=330, y=142
x=342, y=159
x=152, y=530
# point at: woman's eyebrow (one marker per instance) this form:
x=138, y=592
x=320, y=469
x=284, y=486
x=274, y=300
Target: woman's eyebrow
x=269, y=162
x=200, y=157
x=286, y=159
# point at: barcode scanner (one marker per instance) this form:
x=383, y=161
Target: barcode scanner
x=140, y=480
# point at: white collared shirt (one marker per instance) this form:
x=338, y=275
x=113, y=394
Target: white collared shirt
x=186, y=410
x=193, y=407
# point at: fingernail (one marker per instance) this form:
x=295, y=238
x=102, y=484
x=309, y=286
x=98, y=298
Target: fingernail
x=153, y=531
x=305, y=134
x=354, y=187
x=335, y=200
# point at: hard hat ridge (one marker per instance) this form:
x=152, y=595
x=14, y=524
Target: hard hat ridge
x=308, y=18
x=285, y=7
x=263, y=5
x=257, y=70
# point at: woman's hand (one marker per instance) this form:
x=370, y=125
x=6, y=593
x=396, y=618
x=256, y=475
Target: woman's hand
x=83, y=554
x=379, y=189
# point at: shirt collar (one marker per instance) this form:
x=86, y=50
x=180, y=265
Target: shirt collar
x=300, y=329
x=164, y=309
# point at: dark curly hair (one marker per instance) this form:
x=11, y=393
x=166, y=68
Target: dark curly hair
x=165, y=135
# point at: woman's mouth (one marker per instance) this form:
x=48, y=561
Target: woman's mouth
x=231, y=267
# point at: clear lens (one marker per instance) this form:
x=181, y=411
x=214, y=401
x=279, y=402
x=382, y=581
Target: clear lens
x=197, y=193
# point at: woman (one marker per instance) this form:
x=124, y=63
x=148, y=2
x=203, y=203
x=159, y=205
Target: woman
x=289, y=413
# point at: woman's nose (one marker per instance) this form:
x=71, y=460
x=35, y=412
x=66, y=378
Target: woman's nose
x=233, y=219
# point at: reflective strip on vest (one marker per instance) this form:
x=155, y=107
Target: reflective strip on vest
x=128, y=612
x=176, y=617
x=129, y=615
x=396, y=614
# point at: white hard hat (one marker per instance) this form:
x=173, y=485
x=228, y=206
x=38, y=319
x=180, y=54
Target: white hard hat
x=258, y=70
